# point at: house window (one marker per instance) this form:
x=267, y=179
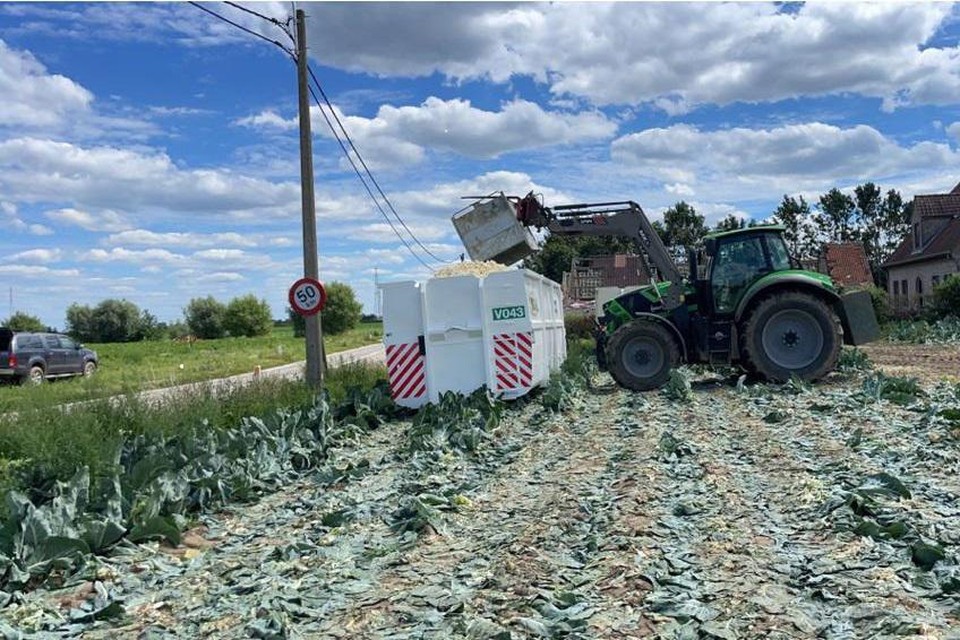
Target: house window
x=903, y=287
x=936, y=280
x=896, y=288
x=919, y=292
x=916, y=235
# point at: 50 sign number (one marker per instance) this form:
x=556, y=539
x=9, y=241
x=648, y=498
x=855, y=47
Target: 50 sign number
x=307, y=296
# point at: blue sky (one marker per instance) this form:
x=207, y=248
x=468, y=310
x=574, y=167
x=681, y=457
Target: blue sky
x=150, y=152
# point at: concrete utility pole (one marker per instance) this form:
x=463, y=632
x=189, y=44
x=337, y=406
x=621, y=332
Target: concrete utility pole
x=316, y=356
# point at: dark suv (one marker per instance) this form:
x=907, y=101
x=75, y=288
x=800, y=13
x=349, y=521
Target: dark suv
x=36, y=357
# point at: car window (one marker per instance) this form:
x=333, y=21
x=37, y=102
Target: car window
x=51, y=342
x=67, y=342
x=32, y=342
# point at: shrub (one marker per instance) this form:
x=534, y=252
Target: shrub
x=946, y=297
x=80, y=322
x=205, y=317
x=579, y=325
x=342, y=311
x=299, y=323
x=150, y=328
x=881, y=304
x=20, y=321
x=116, y=321
x=248, y=316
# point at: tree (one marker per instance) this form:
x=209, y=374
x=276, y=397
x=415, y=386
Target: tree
x=839, y=219
x=21, y=321
x=248, y=316
x=149, y=328
x=683, y=226
x=299, y=323
x=115, y=321
x=558, y=251
x=946, y=297
x=205, y=317
x=80, y=322
x=731, y=223
x=799, y=232
x=342, y=311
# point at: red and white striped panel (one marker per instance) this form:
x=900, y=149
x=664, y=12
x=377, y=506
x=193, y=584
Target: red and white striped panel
x=405, y=368
x=513, y=360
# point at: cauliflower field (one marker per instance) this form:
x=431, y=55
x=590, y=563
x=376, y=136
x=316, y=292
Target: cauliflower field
x=711, y=509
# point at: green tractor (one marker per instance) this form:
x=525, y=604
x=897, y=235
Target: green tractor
x=745, y=301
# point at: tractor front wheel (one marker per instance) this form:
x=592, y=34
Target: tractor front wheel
x=641, y=354
x=791, y=334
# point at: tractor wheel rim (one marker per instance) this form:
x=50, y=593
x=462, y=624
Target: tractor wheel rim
x=643, y=357
x=792, y=339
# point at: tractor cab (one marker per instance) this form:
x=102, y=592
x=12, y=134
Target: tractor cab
x=734, y=260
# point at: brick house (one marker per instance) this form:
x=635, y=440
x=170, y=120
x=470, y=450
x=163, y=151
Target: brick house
x=846, y=263
x=929, y=253
x=586, y=275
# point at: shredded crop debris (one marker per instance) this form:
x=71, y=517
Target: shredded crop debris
x=469, y=268
x=724, y=510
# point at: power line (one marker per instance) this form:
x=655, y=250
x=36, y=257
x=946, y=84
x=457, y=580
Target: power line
x=243, y=28
x=330, y=125
x=367, y=169
x=365, y=185
x=259, y=15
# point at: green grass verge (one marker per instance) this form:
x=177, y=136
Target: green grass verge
x=131, y=367
x=39, y=446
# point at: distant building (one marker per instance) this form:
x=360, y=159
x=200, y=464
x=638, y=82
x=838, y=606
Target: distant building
x=846, y=263
x=586, y=275
x=929, y=253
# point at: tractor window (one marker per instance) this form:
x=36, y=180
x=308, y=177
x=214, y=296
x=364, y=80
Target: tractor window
x=779, y=257
x=739, y=262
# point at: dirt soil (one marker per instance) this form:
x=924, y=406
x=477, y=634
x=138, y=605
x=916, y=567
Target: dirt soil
x=742, y=512
x=927, y=362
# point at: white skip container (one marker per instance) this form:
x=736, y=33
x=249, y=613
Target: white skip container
x=504, y=331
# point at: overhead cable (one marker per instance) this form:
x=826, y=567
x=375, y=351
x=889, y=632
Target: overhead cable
x=365, y=167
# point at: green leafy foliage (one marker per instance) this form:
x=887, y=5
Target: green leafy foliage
x=946, y=297
x=110, y=321
x=853, y=359
x=342, y=311
x=205, y=317
x=946, y=330
x=456, y=422
x=579, y=325
x=902, y=391
x=247, y=316
x=154, y=477
x=21, y=321
x=678, y=387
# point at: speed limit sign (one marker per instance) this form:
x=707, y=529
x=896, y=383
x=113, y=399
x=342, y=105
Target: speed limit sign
x=307, y=296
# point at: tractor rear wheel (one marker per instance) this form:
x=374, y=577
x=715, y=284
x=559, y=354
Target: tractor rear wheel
x=791, y=334
x=640, y=355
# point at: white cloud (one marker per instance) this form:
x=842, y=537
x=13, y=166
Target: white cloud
x=35, y=255
x=270, y=119
x=36, y=271
x=219, y=276
x=221, y=255
x=105, y=220
x=954, y=131
x=674, y=55
x=782, y=159
x=32, y=97
x=123, y=180
x=179, y=239
x=456, y=125
x=147, y=256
